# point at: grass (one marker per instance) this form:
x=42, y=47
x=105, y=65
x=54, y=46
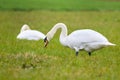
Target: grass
x=29, y=60
x=59, y=5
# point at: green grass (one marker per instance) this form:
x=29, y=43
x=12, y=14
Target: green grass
x=63, y=5
x=29, y=60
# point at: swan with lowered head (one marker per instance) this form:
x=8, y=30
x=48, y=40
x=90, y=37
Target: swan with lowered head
x=28, y=34
x=86, y=39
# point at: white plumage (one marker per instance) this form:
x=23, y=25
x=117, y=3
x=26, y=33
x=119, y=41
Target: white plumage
x=28, y=34
x=86, y=39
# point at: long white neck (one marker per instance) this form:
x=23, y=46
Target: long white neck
x=63, y=34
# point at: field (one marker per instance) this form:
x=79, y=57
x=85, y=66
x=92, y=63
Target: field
x=29, y=60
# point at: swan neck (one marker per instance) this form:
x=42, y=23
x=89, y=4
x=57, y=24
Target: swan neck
x=24, y=28
x=52, y=32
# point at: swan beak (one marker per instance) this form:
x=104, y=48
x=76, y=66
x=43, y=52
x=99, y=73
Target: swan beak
x=46, y=42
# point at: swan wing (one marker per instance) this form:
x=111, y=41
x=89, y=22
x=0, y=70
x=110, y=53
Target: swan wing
x=81, y=38
x=31, y=35
x=87, y=35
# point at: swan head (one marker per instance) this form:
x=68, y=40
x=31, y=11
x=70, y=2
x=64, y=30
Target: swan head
x=46, y=41
x=48, y=37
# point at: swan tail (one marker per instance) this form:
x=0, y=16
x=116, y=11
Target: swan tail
x=110, y=44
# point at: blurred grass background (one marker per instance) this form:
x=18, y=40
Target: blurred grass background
x=66, y=5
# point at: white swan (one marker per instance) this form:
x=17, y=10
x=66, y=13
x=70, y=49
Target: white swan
x=28, y=34
x=86, y=39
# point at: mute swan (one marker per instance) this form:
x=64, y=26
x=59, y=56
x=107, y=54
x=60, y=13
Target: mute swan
x=27, y=33
x=86, y=39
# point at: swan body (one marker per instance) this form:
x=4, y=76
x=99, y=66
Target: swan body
x=28, y=34
x=84, y=39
